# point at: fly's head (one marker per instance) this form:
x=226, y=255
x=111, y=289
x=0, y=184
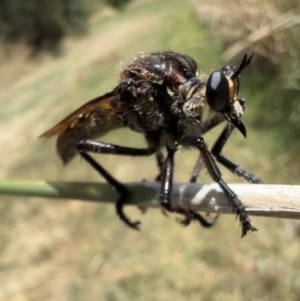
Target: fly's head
x=222, y=90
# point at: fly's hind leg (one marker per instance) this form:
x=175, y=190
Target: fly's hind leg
x=85, y=146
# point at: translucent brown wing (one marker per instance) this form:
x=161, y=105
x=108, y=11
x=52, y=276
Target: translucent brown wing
x=100, y=103
x=93, y=119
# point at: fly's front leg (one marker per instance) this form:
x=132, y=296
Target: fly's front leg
x=215, y=173
x=205, y=127
x=218, y=146
x=235, y=169
x=199, y=165
x=216, y=151
x=85, y=146
x=166, y=191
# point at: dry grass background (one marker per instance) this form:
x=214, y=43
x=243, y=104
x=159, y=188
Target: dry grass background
x=52, y=250
x=269, y=27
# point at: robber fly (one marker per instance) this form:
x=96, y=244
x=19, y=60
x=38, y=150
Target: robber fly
x=161, y=95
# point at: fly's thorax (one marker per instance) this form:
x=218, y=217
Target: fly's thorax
x=194, y=105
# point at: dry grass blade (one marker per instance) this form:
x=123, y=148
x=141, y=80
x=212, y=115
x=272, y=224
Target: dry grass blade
x=269, y=27
x=282, y=22
x=262, y=200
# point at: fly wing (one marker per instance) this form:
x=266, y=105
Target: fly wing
x=103, y=103
x=93, y=119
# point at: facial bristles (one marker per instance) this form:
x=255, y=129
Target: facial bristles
x=238, y=109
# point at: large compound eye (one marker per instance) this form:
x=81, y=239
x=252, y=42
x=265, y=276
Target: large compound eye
x=217, y=91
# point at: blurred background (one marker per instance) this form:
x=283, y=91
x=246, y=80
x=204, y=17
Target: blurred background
x=54, y=56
